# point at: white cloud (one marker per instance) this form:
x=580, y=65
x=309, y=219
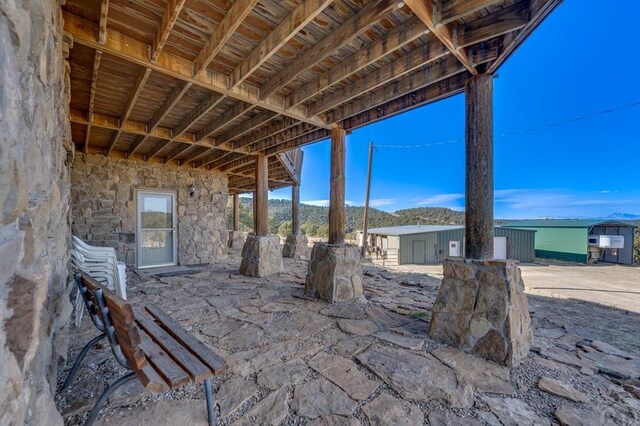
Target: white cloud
x=379, y=202
x=439, y=200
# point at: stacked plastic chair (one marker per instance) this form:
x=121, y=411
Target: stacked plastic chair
x=100, y=263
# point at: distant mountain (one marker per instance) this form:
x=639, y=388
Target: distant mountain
x=623, y=216
x=316, y=218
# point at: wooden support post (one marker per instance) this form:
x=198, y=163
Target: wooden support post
x=336, y=195
x=295, y=209
x=479, y=167
x=365, y=218
x=260, y=201
x=236, y=212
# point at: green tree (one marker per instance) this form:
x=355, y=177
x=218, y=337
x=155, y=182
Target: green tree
x=636, y=245
x=284, y=229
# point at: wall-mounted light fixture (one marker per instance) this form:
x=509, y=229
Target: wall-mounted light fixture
x=192, y=191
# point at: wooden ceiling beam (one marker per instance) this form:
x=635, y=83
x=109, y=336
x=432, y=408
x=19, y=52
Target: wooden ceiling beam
x=161, y=145
x=222, y=33
x=92, y=96
x=506, y=20
x=405, y=64
x=423, y=96
x=223, y=160
x=304, y=13
x=174, y=97
x=395, y=39
x=141, y=79
x=425, y=9
x=538, y=11
x=104, y=17
x=247, y=126
x=137, y=143
x=209, y=103
x=337, y=38
x=169, y=18
x=287, y=135
x=231, y=165
x=315, y=136
x=135, y=51
x=447, y=11
x=196, y=155
x=179, y=152
x=431, y=74
x=271, y=130
x=225, y=119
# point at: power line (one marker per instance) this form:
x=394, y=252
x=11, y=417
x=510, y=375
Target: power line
x=524, y=131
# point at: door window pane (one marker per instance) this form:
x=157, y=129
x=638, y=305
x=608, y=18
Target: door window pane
x=157, y=212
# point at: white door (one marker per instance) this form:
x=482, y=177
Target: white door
x=454, y=248
x=499, y=247
x=156, y=236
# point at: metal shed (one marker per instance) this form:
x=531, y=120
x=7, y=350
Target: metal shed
x=431, y=244
x=568, y=239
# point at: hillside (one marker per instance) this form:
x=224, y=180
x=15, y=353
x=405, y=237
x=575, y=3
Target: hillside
x=314, y=219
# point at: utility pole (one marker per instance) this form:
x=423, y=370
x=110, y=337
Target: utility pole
x=366, y=204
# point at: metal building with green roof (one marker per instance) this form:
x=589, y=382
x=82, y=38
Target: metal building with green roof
x=568, y=239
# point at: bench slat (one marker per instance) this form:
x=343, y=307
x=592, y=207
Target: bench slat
x=150, y=379
x=117, y=305
x=166, y=367
x=181, y=355
x=206, y=355
x=127, y=332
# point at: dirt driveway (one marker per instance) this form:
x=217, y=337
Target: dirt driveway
x=611, y=285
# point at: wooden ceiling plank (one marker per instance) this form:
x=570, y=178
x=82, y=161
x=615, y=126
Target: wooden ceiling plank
x=142, y=78
x=104, y=17
x=346, y=32
x=271, y=130
x=135, y=51
x=315, y=136
x=203, y=108
x=174, y=97
x=506, y=20
x=161, y=145
x=223, y=120
x=97, y=57
x=396, y=38
x=282, y=137
x=224, y=160
x=179, y=152
x=223, y=32
x=247, y=126
x=407, y=63
x=304, y=13
x=425, y=95
x=432, y=74
x=136, y=145
x=196, y=155
x=169, y=18
x=113, y=142
x=424, y=9
x=538, y=11
x=451, y=10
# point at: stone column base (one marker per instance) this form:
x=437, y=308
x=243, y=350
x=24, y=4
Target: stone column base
x=335, y=273
x=261, y=256
x=481, y=307
x=295, y=246
x=237, y=239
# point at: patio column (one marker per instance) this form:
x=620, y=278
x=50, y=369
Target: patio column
x=261, y=254
x=261, y=200
x=296, y=244
x=335, y=269
x=479, y=167
x=295, y=209
x=481, y=306
x=236, y=213
x=337, y=183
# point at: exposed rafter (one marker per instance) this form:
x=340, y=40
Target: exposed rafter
x=509, y=19
x=304, y=13
x=135, y=51
x=346, y=32
x=209, y=103
x=224, y=120
x=104, y=17
x=247, y=126
x=222, y=33
x=270, y=130
x=169, y=18
x=447, y=11
x=92, y=96
x=306, y=139
x=379, y=48
x=425, y=10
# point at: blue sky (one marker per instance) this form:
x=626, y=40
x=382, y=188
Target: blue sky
x=573, y=66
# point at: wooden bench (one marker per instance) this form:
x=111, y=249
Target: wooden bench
x=160, y=353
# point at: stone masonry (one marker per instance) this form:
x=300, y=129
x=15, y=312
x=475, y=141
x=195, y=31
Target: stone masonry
x=261, y=256
x=35, y=149
x=295, y=246
x=481, y=307
x=335, y=273
x=103, y=202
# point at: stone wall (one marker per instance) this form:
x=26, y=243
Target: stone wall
x=103, y=205
x=35, y=142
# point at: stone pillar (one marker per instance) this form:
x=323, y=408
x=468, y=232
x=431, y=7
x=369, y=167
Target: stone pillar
x=261, y=254
x=479, y=167
x=335, y=271
x=296, y=243
x=481, y=308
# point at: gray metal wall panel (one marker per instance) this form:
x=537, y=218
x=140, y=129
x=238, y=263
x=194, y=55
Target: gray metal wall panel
x=520, y=243
x=625, y=255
